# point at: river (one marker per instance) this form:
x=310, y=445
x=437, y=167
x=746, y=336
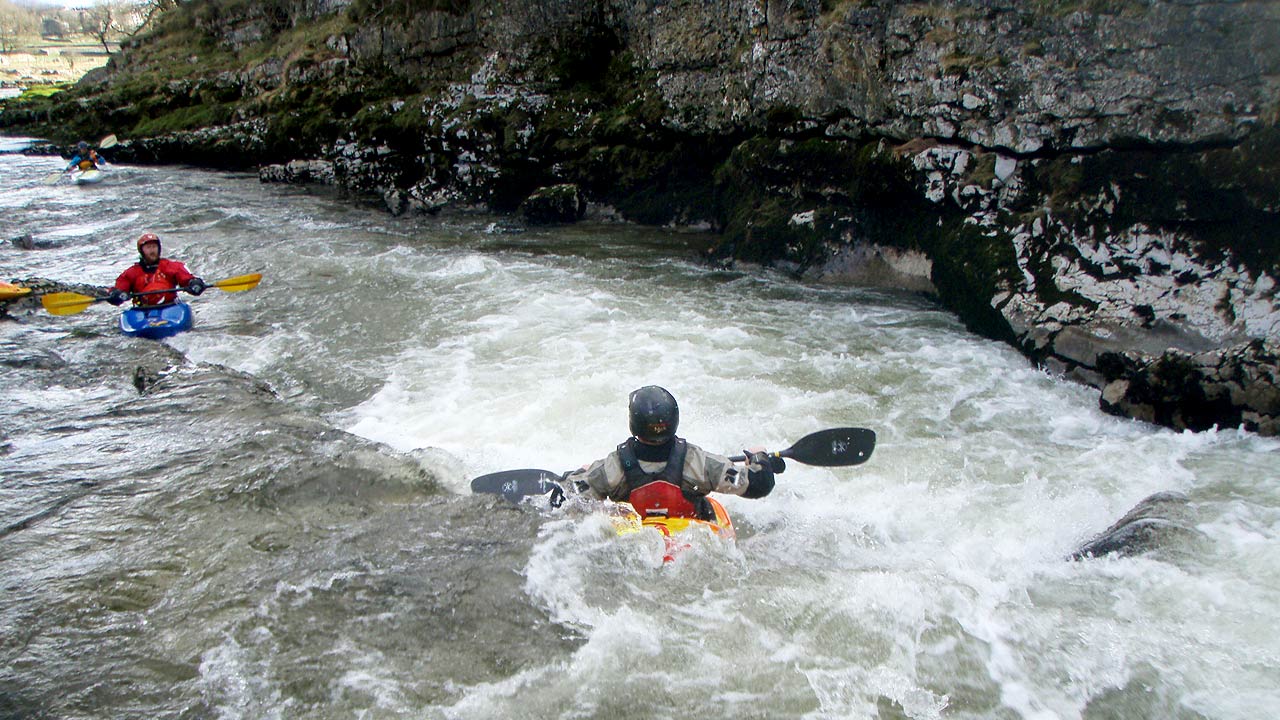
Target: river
x=279, y=525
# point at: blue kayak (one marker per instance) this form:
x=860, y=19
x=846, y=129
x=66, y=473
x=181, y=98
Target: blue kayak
x=156, y=322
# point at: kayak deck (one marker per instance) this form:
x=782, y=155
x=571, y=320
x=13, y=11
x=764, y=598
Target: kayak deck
x=627, y=521
x=156, y=322
x=86, y=177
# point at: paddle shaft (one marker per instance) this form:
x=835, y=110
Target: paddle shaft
x=836, y=447
x=72, y=303
x=221, y=284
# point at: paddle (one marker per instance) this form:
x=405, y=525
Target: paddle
x=516, y=484
x=106, y=142
x=69, y=303
x=836, y=447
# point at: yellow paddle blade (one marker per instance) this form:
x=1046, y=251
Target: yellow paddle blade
x=66, y=303
x=106, y=142
x=52, y=178
x=240, y=283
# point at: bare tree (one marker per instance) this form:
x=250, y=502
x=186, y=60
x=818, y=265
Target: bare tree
x=99, y=22
x=153, y=9
x=16, y=22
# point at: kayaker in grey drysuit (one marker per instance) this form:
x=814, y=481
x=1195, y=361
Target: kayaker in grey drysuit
x=661, y=474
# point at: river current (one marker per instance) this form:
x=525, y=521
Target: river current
x=279, y=523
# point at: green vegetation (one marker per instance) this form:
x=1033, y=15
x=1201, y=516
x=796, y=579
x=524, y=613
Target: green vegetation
x=1062, y=8
x=41, y=91
x=362, y=11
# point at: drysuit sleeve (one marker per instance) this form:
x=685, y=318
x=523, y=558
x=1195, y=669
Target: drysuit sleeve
x=753, y=481
x=599, y=480
x=125, y=281
x=180, y=272
x=710, y=472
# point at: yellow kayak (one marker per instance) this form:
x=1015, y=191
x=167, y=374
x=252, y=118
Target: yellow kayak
x=9, y=291
x=628, y=521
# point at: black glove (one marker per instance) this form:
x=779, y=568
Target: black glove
x=117, y=296
x=759, y=475
x=196, y=286
x=557, y=496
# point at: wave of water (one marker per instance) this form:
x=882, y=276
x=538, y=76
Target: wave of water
x=296, y=479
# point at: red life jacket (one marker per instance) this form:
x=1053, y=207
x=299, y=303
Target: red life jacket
x=166, y=275
x=657, y=493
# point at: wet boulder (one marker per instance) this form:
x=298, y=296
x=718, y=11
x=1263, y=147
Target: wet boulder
x=1227, y=387
x=299, y=172
x=28, y=241
x=1157, y=521
x=554, y=204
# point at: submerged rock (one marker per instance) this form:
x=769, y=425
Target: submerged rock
x=1157, y=521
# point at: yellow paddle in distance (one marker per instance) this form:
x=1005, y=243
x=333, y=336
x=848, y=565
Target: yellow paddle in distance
x=69, y=303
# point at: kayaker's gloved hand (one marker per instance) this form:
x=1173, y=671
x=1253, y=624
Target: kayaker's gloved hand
x=117, y=297
x=196, y=286
x=557, y=496
x=759, y=475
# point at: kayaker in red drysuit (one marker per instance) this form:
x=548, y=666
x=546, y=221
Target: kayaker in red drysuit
x=151, y=273
x=661, y=474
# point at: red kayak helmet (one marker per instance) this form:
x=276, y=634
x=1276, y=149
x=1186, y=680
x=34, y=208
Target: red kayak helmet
x=654, y=415
x=148, y=238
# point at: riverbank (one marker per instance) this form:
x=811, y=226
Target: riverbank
x=1121, y=233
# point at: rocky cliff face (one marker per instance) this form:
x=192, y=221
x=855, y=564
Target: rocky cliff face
x=1093, y=182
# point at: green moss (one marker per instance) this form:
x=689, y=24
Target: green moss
x=970, y=266
x=368, y=11
x=40, y=91
x=192, y=117
x=863, y=191
x=961, y=64
x=1062, y=8
x=834, y=6
x=983, y=172
x=941, y=35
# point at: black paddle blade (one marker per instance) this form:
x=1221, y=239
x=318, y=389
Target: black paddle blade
x=837, y=447
x=515, y=485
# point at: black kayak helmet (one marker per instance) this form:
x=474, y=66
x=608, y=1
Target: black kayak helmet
x=654, y=415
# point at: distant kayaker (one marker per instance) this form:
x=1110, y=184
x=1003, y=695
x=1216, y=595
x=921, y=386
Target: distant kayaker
x=661, y=474
x=152, y=273
x=86, y=158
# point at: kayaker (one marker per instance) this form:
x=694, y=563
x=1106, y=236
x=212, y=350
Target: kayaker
x=661, y=474
x=151, y=273
x=86, y=158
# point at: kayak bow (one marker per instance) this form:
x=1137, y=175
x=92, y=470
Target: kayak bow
x=156, y=322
